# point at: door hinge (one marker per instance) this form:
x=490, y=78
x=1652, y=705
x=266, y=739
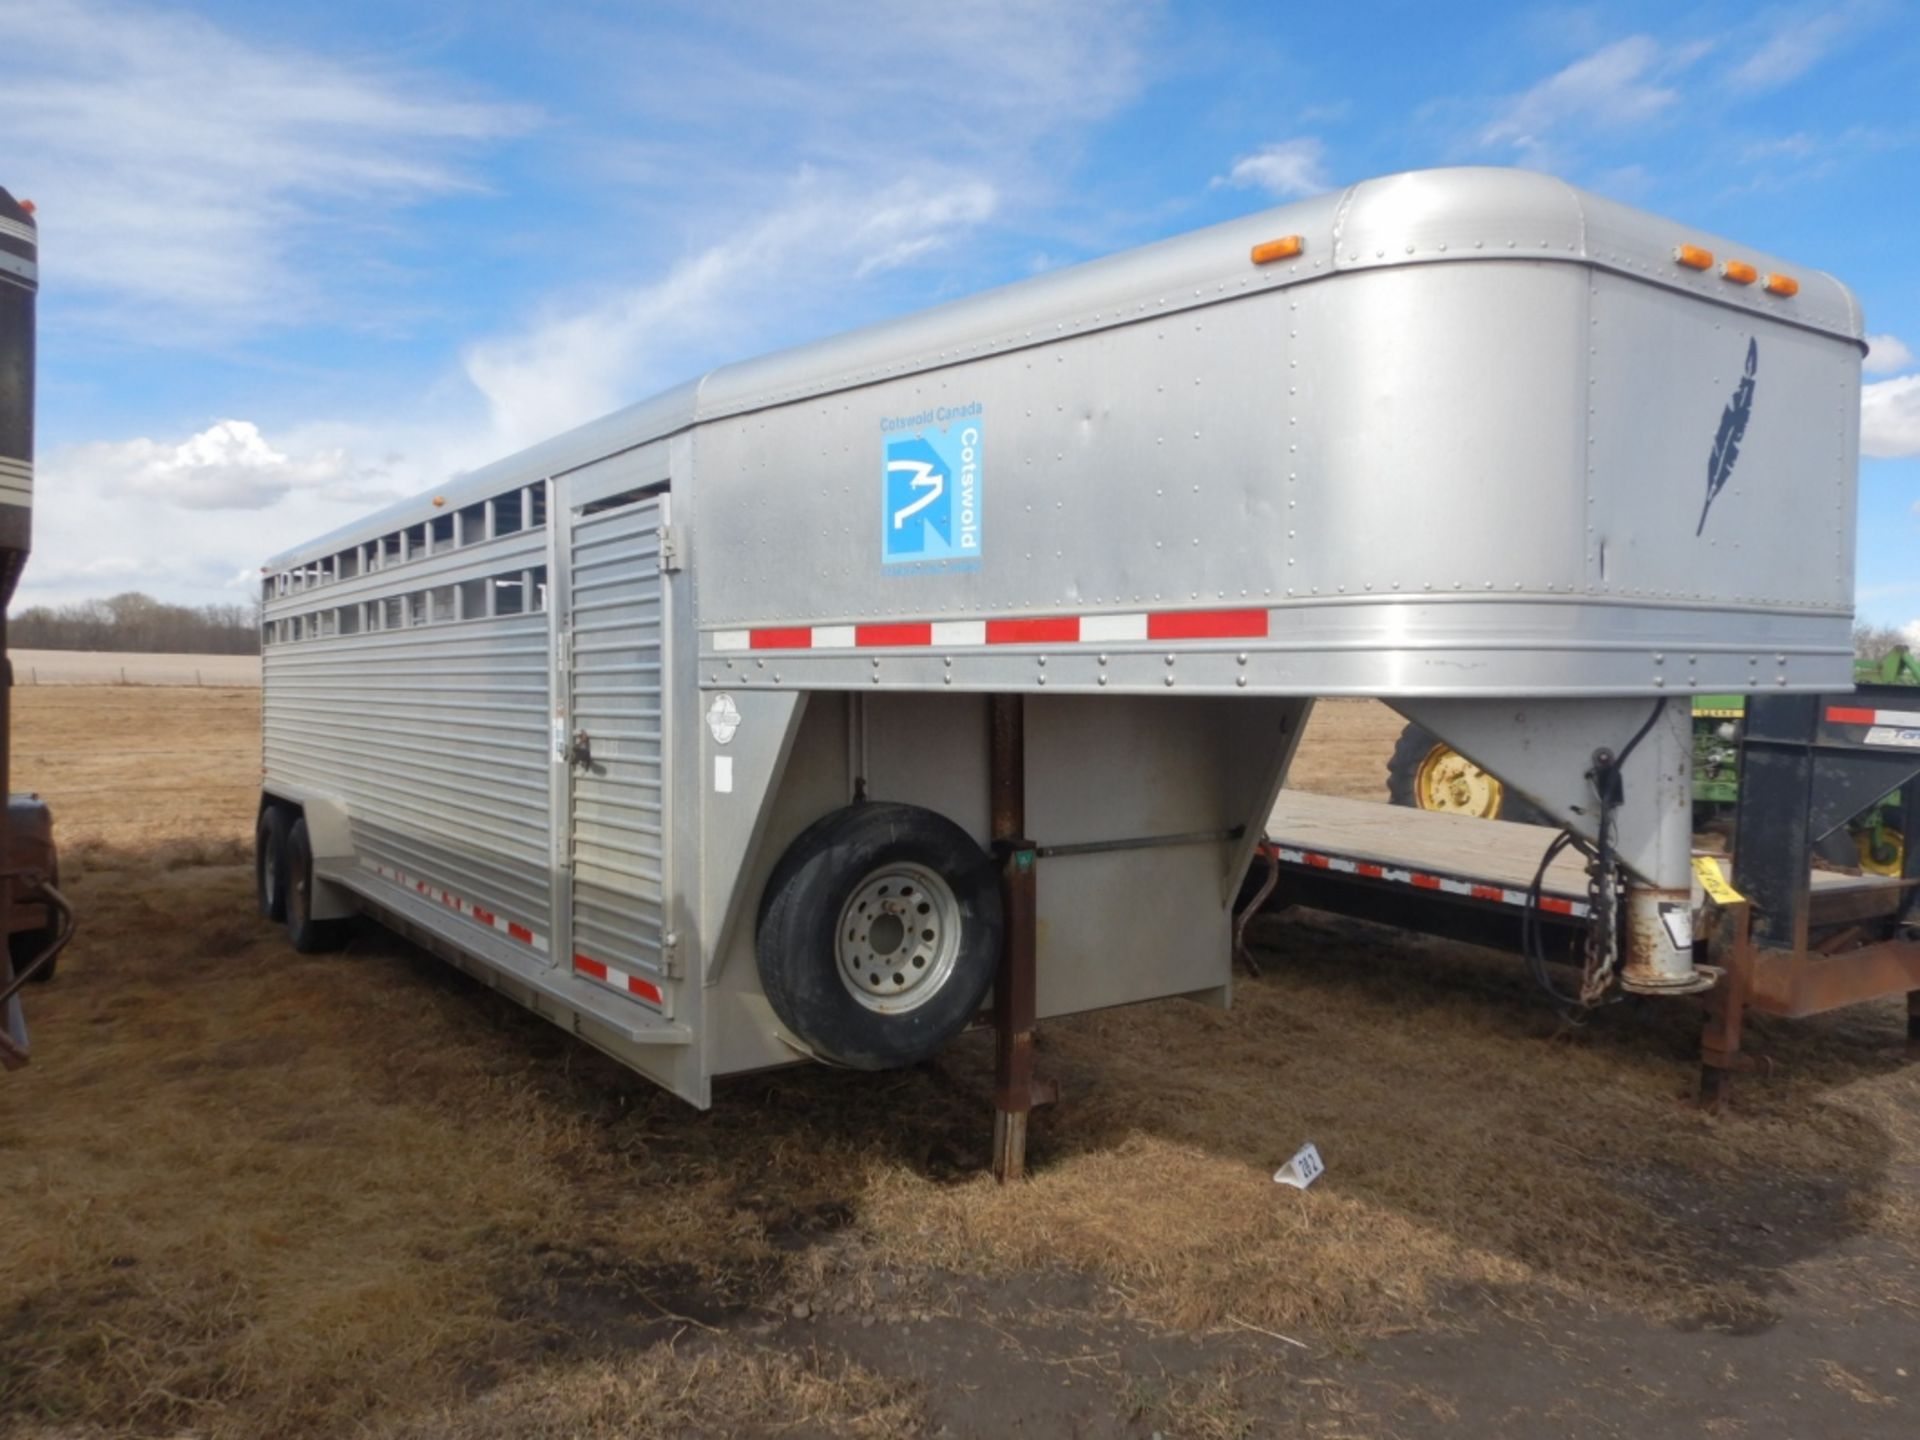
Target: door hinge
x=670, y=955
x=669, y=549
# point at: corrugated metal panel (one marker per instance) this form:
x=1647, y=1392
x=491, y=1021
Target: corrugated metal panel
x=619, y=850
x=437, y=741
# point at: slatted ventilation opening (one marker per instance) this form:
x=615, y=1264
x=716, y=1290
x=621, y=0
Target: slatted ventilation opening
x=619, y=803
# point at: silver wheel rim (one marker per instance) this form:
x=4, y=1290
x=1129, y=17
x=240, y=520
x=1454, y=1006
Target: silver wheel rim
x=898, y=938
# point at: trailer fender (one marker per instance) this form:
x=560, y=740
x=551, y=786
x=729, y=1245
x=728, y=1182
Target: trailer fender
x=331, y=839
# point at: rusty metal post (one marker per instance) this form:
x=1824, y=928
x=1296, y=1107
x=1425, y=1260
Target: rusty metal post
x=1729, y=947
x=1013, y=989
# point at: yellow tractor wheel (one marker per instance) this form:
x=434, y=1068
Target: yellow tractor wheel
x=1889, y=857
x=1446, y=780
x=1426, y=773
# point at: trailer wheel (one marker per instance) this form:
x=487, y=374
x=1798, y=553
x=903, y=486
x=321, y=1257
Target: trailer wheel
x=23, y=946
x=1426, y=773
x=309, y=936
x=270, y=862
x=879, y=934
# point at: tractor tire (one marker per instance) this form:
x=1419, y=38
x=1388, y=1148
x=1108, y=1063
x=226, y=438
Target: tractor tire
x=1415, y=779
x=879, y=935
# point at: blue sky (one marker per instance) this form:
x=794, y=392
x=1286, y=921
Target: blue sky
x=299, y=260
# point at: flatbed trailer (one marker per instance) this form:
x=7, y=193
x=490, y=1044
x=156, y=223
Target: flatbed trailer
x=1784, y=937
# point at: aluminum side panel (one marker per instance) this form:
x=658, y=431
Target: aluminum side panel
x=1435, y=433
x=435, y=740
x=1666, y=378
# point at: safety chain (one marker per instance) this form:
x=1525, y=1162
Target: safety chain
x=1603, y=886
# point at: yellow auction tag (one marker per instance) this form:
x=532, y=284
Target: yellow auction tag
x=1713, y=880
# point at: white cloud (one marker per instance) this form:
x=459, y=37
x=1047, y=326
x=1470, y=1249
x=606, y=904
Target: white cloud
x=186, y=176
x=191, y=518
x=1890, y=418
x=828, y=234
x=1793, y=48
x=893, y=176
x=1287, y=169
x=1886, y=355
x=228, y=466
x=1911, y=632
x=1621, y=86
x=792, y=163
x=860, y=85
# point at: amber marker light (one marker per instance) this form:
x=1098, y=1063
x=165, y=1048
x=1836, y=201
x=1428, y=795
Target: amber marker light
x=1693, y=257
x=1780, y=285
x=1739, y=272
x=1285, y=248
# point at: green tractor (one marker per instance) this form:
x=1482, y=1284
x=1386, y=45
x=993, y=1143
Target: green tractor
x=1427, y=774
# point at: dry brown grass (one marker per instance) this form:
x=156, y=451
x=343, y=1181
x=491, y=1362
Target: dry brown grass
x=1345, y=749
x=254, y=1193
x=719, y=1391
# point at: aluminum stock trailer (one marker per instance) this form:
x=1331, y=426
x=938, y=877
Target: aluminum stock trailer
x=788, y=713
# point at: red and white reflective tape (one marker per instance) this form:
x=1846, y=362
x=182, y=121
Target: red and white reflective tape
x=1852, y=715
x=426, y=890
x=618, y=979
x=1884, y=727
x=1422, y=880
x=1153, y=625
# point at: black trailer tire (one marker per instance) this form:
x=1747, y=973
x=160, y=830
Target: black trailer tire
x=309, y=936
x=1411, y=753
x=879, y=934
x=270, y=862
x=24, y=945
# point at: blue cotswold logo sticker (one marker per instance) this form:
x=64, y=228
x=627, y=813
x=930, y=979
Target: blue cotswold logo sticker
x=930, y=487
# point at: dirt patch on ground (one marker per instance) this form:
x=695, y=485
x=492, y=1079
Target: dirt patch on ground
x=254, y=1193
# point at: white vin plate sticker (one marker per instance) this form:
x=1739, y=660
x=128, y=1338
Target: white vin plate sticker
x=1894, y=735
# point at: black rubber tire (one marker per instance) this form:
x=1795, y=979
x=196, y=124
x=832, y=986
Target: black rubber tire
x=800, y=914
x=1837, y=849
x=24, y=945
x=309, y=936
x=1414, y=745
x=270, y=863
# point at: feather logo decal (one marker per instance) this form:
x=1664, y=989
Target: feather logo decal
x=1733, y=428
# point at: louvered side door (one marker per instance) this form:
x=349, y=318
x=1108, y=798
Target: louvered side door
x=619, y=854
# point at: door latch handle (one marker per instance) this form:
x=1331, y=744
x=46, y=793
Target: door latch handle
x=580, y=752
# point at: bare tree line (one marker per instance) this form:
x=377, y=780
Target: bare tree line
x=140, y=624
x=1876, y=642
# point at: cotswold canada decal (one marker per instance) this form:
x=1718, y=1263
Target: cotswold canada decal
x=930, y=489
x=1733, y=427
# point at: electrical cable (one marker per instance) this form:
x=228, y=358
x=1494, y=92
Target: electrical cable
x=1601, y=864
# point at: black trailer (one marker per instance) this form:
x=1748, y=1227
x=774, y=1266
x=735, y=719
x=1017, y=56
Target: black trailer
x=1788, y=937
x=35, y=918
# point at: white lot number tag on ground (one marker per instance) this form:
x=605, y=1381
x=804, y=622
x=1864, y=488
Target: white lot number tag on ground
x=1302, y=1170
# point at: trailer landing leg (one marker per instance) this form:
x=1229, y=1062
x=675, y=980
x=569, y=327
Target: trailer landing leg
x=1015, y=1091
x=1730, y=946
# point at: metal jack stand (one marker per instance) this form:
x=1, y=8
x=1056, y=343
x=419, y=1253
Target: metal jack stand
x=1015, y=1091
